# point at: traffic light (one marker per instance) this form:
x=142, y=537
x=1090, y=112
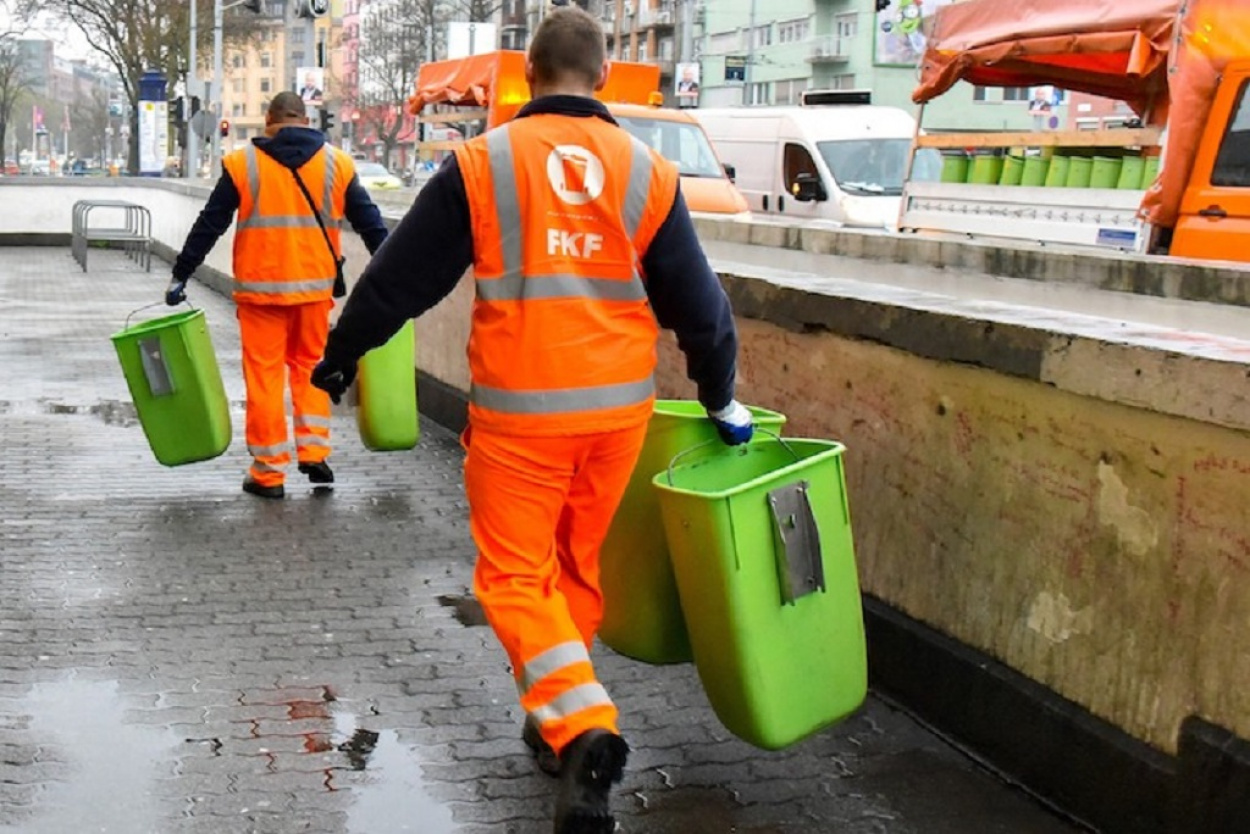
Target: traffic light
x=195, y=105
x=176, y=108
x=327, y=120
x=225, y=128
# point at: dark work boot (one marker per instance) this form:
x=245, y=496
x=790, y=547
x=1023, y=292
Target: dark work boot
x=544, y=755
x=318, y=473
x=253, y=488
x=590, y=765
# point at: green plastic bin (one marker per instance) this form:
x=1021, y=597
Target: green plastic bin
x=1079, y=170
x=386, y=392
x=1105, y=172
x=171, y=371
x=1130, y=173
x=1150, y=171
x=954, y=167
x=1013, y=170
x=1057, y=172
x=986, y=169
x=642, y=615
x=1034, y=173
x=780, y=655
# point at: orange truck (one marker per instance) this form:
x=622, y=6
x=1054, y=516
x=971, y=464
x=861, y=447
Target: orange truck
x=1175, y=183
x=479, y=92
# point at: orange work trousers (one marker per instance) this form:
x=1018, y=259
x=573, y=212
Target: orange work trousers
x=539, y=510
x=282, y=339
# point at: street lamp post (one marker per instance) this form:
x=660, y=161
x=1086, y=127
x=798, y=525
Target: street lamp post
x=218, y=86
x=193, y=140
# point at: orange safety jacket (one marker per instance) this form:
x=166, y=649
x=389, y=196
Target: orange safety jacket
x=280, y=255
x=563, y=340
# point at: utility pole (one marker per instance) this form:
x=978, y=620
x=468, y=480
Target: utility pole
x=687, y=31
x=217, y=90
x=193, y=141
x=746, y=71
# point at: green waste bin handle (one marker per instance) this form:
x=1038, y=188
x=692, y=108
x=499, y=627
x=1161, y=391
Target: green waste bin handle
x=699, y=446
x=126, y=326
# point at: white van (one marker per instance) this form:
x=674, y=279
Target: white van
x=842, y=161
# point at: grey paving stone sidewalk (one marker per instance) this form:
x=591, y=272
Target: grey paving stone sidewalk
x=177, y=656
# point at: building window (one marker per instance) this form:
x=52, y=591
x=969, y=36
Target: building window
x=763, y=35
x=266, y=60
x=842, y=82
x=297, y=34
x=980, y=93
x=846, y=25
x=757, y=92
x=238, y=62
x=789, y=92
x=724, y=43
x=297, y=57
x=642, y=50
x=794, y=31
x=266, y=85
x=236, y=109
x=1016, y=93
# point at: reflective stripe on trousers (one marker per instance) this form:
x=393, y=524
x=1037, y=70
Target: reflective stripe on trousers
x=539, y=511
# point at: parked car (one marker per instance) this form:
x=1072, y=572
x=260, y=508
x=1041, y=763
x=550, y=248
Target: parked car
x=373, y=175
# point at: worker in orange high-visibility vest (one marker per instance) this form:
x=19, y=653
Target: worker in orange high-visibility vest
x=580, y=242
x=287, y=269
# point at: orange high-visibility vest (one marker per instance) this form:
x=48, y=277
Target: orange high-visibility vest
x=280, y=255
x=563, y=338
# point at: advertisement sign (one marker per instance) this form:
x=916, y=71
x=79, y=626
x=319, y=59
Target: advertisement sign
x=735, y=68
x=310, y=83
x=687, y=85
x=900, y=30
x=153, y=136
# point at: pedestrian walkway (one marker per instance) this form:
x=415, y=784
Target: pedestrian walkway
x=177, y=656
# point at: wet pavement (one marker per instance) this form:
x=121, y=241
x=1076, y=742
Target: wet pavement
x=177, y=656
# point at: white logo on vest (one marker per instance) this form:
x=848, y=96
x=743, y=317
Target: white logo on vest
x=575, y=174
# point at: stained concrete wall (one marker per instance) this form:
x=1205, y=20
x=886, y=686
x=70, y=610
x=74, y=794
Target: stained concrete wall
x=1067, y=495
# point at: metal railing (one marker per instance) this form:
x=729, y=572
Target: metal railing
x=828, y=48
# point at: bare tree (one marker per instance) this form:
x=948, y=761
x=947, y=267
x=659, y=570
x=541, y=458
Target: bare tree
x=138, y=35
x=13, y=84
x=394, y=41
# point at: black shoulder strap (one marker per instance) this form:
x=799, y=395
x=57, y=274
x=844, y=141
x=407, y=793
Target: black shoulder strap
x=300, y=182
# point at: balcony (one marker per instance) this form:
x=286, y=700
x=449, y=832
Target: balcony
x=662, y=16
x=828, y=49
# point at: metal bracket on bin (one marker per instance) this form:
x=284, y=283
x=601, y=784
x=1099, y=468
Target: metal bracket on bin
x=154, y=368
x=800, y=569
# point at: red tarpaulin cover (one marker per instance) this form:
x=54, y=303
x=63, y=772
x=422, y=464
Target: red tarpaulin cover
x=1121, y=49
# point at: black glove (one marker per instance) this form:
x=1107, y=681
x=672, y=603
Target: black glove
x=333, y=379
x=176, y=293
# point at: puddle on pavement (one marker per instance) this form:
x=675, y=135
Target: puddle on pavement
x=467, y=609
x=390, y=798
x=110, y=765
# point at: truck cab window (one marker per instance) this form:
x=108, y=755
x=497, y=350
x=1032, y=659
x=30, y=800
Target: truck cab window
x=798, y=161
x=1232, y=163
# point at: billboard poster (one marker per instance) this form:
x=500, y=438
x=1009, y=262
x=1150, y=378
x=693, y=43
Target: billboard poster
x=899, y=31
x=310, y=83
x=686, y=86
x=153, y=136
x=735, y=68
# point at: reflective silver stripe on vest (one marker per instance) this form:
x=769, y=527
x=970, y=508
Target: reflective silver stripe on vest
x=253, y=174
x=561, y=401
x=283, y=287
x=552, y=660
x=514, y=287
x=575, y=700
x=639, y=186
x=507, y=209
x=311, y=441
x=289, y=221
